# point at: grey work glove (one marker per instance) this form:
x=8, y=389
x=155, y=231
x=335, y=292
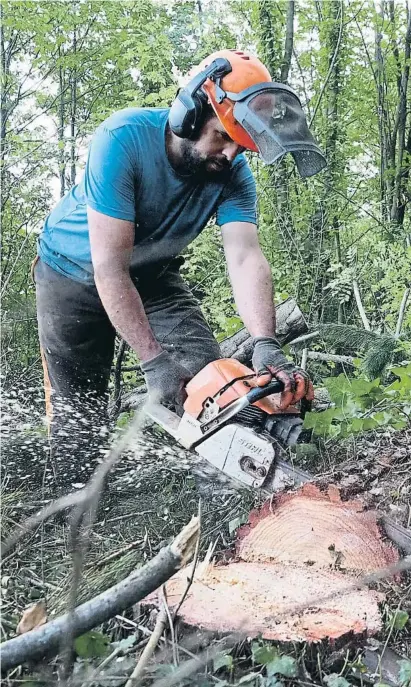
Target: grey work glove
x=269, y=361
x=166, y=380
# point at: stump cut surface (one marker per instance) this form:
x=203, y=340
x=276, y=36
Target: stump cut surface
x=258, y=598
x=318, y=529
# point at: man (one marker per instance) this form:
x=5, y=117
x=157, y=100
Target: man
x=108, y=254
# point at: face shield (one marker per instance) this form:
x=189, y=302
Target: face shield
x=272, y=116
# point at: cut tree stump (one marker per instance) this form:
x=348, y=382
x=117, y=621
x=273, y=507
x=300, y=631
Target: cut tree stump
x=315, y=528
x=297, y=550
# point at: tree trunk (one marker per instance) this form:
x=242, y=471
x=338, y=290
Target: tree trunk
x=60, y=131
x=73, y=113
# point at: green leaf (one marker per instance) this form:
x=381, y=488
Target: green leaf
x=335, y=680
x=223, y=660
x=263, y=653
x=405, y=673
x=91, y=645
x=283, y=665
x=399, y=620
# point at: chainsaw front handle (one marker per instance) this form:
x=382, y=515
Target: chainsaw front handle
x=260, y=392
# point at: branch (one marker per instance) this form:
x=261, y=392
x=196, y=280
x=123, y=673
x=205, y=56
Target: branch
x=328, y=357
x=360, y=306
x=401, y=313
x=333, y=60
x=46, y=640
x=149, y=649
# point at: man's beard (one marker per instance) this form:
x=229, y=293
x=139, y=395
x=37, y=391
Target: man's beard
x=194, y=163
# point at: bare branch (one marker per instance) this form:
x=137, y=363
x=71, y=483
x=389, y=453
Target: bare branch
x=360, y=306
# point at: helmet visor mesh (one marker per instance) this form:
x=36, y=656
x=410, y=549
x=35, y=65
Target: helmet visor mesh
x=274, y=119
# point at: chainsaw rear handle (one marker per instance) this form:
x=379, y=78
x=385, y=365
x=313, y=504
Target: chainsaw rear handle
x=260, y=392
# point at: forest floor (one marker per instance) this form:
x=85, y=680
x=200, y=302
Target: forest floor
x=150, y=495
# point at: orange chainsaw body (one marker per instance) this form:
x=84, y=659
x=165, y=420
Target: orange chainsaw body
x=215, y=376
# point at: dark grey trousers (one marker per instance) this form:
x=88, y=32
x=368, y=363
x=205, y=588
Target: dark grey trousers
x=77, y=346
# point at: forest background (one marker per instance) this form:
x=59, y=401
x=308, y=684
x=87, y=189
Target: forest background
x=335, y=242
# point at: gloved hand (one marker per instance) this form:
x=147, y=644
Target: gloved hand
x=269, y=361
x=166, y=380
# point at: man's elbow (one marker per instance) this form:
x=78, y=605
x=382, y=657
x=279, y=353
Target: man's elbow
x=109, y=271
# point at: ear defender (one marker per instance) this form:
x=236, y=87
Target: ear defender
x=186, y=113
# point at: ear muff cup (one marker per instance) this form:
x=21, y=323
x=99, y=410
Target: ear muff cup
x=186, y=113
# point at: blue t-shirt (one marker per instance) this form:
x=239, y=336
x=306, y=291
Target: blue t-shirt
x=128, y=176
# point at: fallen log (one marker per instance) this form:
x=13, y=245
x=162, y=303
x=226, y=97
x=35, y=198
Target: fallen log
x=49, y=638
x=290, y=324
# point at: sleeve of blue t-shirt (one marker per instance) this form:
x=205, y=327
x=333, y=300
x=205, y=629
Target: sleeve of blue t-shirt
x=239, y=198
x=110, y=175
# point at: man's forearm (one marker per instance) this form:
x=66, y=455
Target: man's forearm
x=254, y=294
x=125, y=309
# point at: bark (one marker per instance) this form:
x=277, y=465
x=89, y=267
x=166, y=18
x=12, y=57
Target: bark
x=397, y=199
x=278, y=61
x=289, y=42
x=60, y=129
x=73, y=115
x=290, y=325
x=394, y=143
x=48, y=639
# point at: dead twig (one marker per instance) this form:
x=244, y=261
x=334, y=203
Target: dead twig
x=401, y=313
x=68, y=501
x=116, y=554
x=195, y=561
x=360, y=306
x=171, y=625
x=149, y=649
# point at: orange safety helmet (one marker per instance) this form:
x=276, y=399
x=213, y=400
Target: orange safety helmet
x=247, y=71
x=257, y=113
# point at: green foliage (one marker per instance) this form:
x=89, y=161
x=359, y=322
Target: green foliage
x=93, y=644
x=223, y=660
x=405, y=673
x=361, y=405
x=275, y=663
x=70, y=65
x=398, y=620
x=282, y=665
x=335, y=680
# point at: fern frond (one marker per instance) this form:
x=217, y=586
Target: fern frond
x=348, y=336
x=378, y=356
x=379, y=348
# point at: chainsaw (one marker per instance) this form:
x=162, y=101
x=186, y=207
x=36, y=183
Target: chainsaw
x=237, y=426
